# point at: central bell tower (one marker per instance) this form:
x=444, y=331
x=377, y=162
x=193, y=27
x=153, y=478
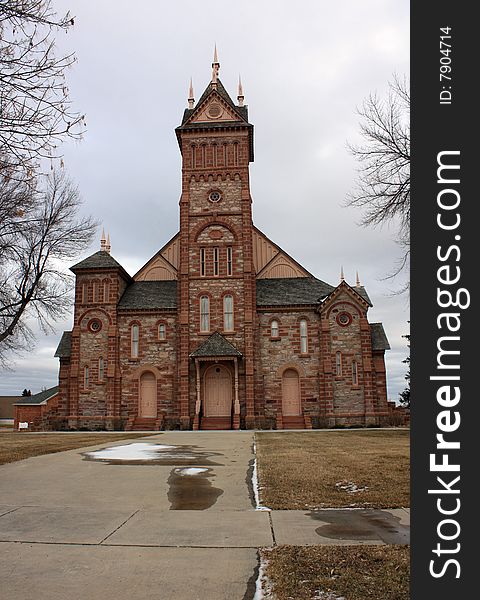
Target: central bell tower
x=216, y=276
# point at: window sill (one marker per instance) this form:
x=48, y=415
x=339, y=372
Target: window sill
x=305, y=355
x=275, y=339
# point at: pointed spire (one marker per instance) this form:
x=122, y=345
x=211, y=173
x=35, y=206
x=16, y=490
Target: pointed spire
x=107, y=245
x=240, y=96
x=358, y=281
x=191, y=99
x=103, y=241
x=342, y=276
x=215, y=68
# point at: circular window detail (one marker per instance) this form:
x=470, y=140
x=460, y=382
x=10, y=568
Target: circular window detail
x=214, y=110
x=94, y=325
x=344, y=319
x=215, y=196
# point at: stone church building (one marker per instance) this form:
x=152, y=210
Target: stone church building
x=221, y=328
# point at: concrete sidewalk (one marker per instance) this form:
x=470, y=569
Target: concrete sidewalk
x=86, y=529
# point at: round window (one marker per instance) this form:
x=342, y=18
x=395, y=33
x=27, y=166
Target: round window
x=214, y=110
x=344, y=319
x=215, y=196
x=95, y=325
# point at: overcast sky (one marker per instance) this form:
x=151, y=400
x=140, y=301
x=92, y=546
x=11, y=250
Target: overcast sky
x=305, y=67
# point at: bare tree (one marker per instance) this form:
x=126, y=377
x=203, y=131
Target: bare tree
x=383, y=189
x=37, y=238
x=35, y=110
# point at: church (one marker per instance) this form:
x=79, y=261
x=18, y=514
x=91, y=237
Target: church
x=221, y=328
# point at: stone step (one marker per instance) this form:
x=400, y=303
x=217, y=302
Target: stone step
x=212, y=423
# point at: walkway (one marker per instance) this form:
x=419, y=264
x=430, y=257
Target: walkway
x=178, y=523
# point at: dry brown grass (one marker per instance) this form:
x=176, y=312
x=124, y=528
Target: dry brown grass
x=352, y=572
x=300, y=470
x=17, y=446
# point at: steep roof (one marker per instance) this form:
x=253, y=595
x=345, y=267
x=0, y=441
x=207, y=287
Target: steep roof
x=379, y=337
x=38, y=398
x=64, y=347
x=149, y=295
x=241, y=111
x=216, y=345
x=99, y=260
x=291, y=291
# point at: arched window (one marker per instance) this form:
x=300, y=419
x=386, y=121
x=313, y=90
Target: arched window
x=193, y=156
x=274, y=332
x=106, y=292
x=134, y=338
x=162, y=331
x=228, y=313
x=204, y=155
x=215, y=151
x=354, y=373
x=338, y=364
x=303, y=337
x=101, y=369
x=84, y=293
x=204, y=313
x=235, y=153
x=225, y=155
x=202, y=262
x=86, y=377
x=95, y=292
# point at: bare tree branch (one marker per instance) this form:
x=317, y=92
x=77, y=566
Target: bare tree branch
x=37, y=239
x=383, y=188
x=35, y=109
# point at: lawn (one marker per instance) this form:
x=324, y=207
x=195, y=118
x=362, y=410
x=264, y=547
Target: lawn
x=334, y=469
x=17, y=446
x=332, y=572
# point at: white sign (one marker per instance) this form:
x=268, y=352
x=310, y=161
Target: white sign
x=23, y=425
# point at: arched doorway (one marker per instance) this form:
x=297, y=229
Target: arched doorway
x=291, y=406
x=218, y=392
x=147, y=403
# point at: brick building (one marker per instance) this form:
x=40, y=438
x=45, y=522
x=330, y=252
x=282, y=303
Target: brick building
x=221, y=328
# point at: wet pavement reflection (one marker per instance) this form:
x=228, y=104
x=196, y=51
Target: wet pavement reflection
x=190, y=490
x=361, y=525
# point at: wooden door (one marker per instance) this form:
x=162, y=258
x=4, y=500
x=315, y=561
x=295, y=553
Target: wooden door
x=147, y=406
x=218, y=392
x=290, y=393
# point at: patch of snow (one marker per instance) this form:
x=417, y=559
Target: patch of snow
x=350, y=487
x=190, y=471
x=263, y=587
x=255, y=486
x=136, y=451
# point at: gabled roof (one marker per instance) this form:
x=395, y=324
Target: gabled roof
x=64, y=348
x=149, y=295
x=216, y=345
x=357, y=291
x=291, y=291
x=241, y=111
x=99, y=260
x=40, y=398
x=379, y=337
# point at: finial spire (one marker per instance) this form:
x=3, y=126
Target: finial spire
x=107, y=245
x=342, y=276
x=215, y=67
x=191, y=99
x=358, y=281
x=240, y=96
x=103, y=241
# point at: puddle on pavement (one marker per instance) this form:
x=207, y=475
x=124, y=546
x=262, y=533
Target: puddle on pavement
x=361, y=525
x=142, y=453
x=191, y=489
